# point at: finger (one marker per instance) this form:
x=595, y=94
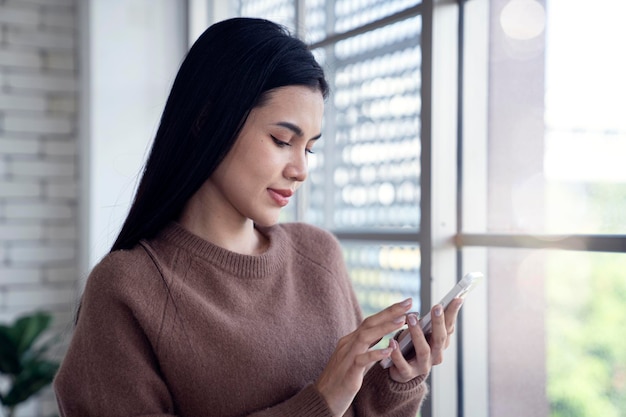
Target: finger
x=451, y=314
x=375, y=342
x=373, y=328
x=391, y=313
x=402, y=370
x=422, y=360
x=368, y=358
x=439, y=335
x=369, y=334
x=420, y=363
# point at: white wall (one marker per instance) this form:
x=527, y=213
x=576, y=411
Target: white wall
x=133, y=51
x=39, y=172
x=82, y=86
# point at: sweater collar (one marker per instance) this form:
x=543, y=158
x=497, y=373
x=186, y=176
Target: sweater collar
x=249, y=266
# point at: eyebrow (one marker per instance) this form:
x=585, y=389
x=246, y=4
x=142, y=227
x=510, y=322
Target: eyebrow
x=296, y=129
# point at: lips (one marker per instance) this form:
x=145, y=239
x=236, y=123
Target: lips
x=281, y=197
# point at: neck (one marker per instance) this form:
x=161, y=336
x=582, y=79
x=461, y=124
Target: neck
x=234, y=234
x=244, y=239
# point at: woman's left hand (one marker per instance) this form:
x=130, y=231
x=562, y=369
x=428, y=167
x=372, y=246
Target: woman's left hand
x=428, y=349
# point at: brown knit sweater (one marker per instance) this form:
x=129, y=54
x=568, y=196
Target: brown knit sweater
x=180, y=327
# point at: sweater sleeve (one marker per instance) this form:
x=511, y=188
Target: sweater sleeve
x=382, y=396
x=110, y=368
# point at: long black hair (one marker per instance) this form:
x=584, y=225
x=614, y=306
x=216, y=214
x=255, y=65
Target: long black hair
x=227, y=72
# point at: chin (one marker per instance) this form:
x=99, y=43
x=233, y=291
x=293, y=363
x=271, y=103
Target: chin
x=265, y=221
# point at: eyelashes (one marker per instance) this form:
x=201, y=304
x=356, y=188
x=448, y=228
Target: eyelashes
x=282, y=144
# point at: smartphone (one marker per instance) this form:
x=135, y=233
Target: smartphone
x=460, y=290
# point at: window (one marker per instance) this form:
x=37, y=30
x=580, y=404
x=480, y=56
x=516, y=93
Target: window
x=542, y=207
x=481, y=135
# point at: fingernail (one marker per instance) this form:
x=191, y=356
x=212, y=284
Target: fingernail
x=393, y=345
x=438, y=311
x=407, y=302
x=412, y=320
x=400, y=320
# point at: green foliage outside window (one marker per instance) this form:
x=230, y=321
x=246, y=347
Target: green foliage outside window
x=586, y=360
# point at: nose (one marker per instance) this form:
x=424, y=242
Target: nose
x=297, y=168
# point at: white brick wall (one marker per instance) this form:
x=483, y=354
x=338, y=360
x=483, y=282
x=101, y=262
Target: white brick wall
x=38, y=165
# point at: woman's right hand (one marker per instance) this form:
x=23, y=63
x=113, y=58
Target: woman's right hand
x=343, y=376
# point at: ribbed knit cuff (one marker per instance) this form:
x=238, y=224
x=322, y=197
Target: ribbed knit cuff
x=392, y=392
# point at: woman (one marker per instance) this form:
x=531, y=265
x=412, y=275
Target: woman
x=205, y=305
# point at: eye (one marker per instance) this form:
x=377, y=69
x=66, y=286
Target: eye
x=279, y=142
x=309, y=151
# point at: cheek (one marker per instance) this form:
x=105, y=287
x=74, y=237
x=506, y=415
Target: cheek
x=264, y=160
x=244, y=159
x=254, y=160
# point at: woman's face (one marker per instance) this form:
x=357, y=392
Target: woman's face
x=269, y=160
